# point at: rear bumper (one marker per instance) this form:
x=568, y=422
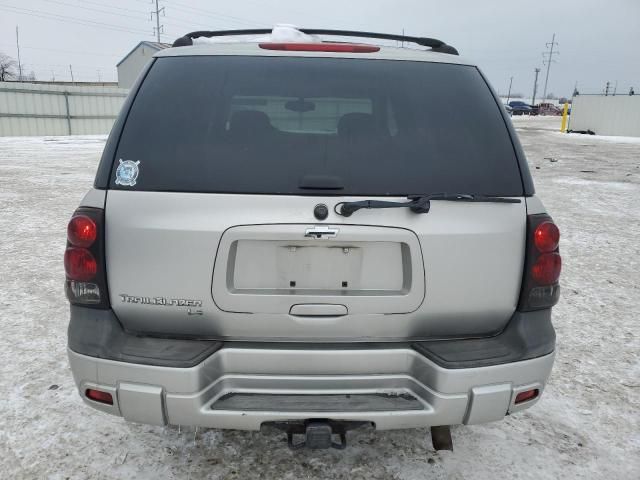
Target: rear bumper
x=204, y=395
x=242, y=386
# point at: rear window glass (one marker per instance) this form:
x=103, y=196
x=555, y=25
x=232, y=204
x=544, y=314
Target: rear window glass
x=268, y=125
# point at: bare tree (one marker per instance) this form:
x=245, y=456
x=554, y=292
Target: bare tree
x=7, y=67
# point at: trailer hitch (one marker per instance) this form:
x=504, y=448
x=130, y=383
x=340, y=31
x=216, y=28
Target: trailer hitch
x=318, y=433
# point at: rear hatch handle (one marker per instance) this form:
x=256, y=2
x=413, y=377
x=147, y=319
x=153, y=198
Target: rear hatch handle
x=417, y=203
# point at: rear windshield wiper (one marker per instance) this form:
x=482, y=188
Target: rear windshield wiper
x=418, y=203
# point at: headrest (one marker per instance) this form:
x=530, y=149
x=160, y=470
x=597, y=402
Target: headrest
x=250, y=121
x=357, y=125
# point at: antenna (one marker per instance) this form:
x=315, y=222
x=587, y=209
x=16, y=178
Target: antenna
x=158, y=29
x=548, y=59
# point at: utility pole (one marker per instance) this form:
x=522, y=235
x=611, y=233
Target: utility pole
x=71, y=71
x=606, y=89
x=158, y=29
x=548, y=58
x=19, y=62
x=535, y=87
x=99, y=76
x=509, y=94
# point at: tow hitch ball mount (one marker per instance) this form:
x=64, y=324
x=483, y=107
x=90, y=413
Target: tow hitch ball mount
x=319, y=433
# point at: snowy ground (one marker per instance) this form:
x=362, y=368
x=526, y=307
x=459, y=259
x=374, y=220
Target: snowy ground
x=586, y=426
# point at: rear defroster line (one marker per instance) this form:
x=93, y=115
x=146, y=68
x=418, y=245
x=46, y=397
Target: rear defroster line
x=417, y=203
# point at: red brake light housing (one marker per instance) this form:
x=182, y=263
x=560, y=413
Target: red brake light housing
x=99, y=396
x=540, y=287
x=84, y=265
x=321, y=47
x=81, y=231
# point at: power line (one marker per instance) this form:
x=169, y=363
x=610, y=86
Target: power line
x=212, y=14
x=142, y=12
x=548, y=58
x=75, y=52
x=67, y=19
x=91, y=9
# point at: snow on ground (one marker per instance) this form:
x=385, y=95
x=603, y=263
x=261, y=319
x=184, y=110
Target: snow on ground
x=587, y=424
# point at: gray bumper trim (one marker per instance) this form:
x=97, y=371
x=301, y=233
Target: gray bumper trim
x=527, y=335
x=98, y=333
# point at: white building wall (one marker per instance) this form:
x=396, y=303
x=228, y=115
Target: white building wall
x=45, y=109
x=617, y=115
x=132, y=65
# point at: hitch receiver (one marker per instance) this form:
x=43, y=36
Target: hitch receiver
x=318, y=433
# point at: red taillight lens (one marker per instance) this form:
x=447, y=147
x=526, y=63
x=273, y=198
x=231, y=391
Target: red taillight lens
x=80, y=264
x=86, y=282
x=320, y=47
x=99, y=396
x=542, y=266
x=526, y=396
x=546, y=270
x=546, y=237
x=82, y=231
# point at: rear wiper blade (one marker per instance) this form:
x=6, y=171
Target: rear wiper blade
x=418, y=203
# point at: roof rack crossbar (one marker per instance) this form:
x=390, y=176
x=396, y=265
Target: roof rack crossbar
x=434, y=44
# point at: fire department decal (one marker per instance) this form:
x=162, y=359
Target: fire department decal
x=127, y=173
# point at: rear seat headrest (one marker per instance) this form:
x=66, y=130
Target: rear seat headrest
x=358, y=124
x=250, y=121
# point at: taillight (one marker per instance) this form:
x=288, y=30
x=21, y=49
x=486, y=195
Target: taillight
x=86, y=282
x=80, y=264
x=321, y=47
x=546, y=237
x=540, y=288
x=546, y=270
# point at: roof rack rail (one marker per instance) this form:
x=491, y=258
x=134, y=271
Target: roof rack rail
x=435, y=45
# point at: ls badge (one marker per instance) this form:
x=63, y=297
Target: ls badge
x=127, y=173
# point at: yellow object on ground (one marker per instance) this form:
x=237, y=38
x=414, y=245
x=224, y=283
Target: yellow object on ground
x=565, y=111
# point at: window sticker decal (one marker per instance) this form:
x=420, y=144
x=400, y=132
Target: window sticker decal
x=127, y=173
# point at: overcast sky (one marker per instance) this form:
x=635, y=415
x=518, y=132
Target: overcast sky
x=598, y=41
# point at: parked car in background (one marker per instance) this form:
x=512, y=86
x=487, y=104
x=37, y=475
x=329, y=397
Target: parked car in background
x=549, y=109
x=520, y=108
x=508, y=109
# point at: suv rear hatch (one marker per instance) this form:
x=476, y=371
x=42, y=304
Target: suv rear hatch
x=217, y=237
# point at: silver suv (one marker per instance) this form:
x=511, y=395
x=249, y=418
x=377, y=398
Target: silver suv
x=312, y=236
